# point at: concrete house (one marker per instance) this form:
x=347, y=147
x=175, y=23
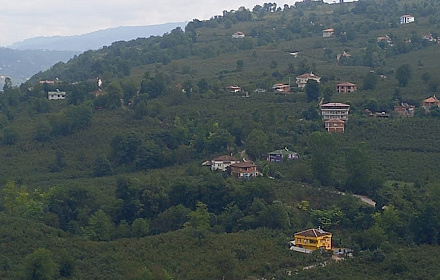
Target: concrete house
x=244, y=170
x=279, y=155
x=238, y=35
x=56, y=95
x=335, y=125
x=302, y=80
x=313, y=239
x=335, y=111
x=327, y=33
x=405, y=19
x=345, y=87
x=223, y=162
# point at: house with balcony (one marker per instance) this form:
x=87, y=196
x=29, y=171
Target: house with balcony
x=334, y=125
x=345, y=87
x=313, y=239
x=244, y=170
x=222, y=163
x=335, y=111
x=302, y=80
x=280, y=155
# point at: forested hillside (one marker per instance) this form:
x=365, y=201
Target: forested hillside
x=109, y=182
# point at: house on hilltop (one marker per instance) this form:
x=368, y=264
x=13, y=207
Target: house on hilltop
x=313, y=239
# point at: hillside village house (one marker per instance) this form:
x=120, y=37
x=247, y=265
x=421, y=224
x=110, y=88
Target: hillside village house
x=404, y=110
x=345, y=87
x=233, y=89
x=404, y=19
x=335, y=125
x=302, y=80
x=335, y=111
x=223, y=162
x=313, y=239
x=281, y=88
x=244, y=170
x=238, y=35
x=279, y=155
x=430, y=102
x=327, y=33
x=56, y=95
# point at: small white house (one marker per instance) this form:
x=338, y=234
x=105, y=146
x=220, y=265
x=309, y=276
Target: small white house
x=56, y=95
x=238, y=35
x=406, y=19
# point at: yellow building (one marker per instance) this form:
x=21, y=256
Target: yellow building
x=313, y=239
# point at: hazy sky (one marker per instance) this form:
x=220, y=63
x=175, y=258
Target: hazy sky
x=24, y=19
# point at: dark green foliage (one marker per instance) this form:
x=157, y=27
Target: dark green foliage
x=10, y=136
x=359, y=169
x=40, y=265
x=403, y=74
x=370, y=81
x=102, y=167
x=322, y=147
x=312, y=90
x=124, y=148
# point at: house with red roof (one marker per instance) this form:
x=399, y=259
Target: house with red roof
x=223, y=162
x=302, y=80
x=345, y=87
x=429, y=102
x=335, y=125
x=244, y=170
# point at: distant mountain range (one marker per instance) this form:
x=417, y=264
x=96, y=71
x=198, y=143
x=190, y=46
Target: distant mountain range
x=23, y=59
x=95, y=40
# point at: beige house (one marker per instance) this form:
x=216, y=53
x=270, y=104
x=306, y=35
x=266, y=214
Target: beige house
x=335, y=125
x=345, y=87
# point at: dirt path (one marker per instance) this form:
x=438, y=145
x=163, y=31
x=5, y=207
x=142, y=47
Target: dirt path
x=364, y=198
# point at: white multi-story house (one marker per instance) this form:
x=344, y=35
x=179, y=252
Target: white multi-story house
x=223, y=162
x=335, y=111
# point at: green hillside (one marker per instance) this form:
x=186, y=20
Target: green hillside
x=109, y=183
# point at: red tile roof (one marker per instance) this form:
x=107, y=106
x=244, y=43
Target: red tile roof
x=313, y=233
